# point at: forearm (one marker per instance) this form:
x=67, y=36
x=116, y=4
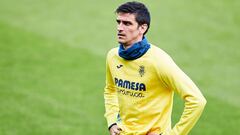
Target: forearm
x=192, y=111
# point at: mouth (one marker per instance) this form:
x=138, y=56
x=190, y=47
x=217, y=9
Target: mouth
x=121, y=35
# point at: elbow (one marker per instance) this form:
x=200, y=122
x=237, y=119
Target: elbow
x=202, y=103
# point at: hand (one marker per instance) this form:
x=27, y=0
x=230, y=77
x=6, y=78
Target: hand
x=115, y=130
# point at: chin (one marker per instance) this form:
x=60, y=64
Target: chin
x=121, y=41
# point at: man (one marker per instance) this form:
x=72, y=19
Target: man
x=141, y=80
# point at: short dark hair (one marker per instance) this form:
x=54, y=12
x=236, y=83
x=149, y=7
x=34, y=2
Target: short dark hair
x=141, y=12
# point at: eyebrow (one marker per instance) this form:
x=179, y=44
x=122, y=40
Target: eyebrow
x=123, y=21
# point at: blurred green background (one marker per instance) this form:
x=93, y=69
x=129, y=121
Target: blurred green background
x=52, y=62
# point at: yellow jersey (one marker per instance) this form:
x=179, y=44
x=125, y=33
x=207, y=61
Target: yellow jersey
x=139, y=94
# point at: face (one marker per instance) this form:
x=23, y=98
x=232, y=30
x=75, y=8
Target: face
x=129, y=32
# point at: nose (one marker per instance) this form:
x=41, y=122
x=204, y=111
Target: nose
x=120, y=27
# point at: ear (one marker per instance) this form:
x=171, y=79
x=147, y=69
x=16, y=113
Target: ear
x=143, y=28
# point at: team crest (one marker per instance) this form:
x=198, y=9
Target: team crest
x=141, y=71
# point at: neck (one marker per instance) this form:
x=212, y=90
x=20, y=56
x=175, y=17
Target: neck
x=134, y=51
x=126, y=46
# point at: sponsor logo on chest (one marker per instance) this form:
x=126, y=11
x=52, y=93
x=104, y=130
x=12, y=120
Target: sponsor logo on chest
x=130, y=85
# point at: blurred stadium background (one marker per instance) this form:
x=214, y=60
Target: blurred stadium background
x=52, y=62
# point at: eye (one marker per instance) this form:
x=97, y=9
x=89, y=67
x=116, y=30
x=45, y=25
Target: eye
x=127, y=23
x=118, y=21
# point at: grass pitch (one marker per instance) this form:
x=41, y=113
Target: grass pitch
x=52, y=62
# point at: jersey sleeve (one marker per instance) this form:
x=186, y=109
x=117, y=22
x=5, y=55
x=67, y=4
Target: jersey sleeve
x=175, y=79
x=110, y=97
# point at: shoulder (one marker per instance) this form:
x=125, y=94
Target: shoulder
x=159, y=54
x=113, y=52
x=161, y=60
